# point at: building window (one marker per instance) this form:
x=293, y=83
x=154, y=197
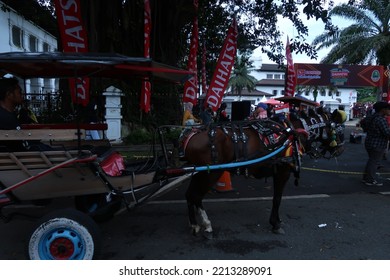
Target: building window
x=275, y=92
x=17, y=36
x=269, y=76
x=283, y=77
x=46, y=47
x=33, y=43
x=322, y=92
x=277, y=76
x=338, y=93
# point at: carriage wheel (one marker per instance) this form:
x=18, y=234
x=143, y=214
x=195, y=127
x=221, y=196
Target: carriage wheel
x=64, y=235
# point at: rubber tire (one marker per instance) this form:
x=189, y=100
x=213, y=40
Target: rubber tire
x=72, y=226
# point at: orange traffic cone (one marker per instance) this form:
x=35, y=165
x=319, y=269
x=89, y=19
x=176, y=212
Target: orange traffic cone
x=224, y=184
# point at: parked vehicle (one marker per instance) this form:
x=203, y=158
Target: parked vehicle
x=90, y=174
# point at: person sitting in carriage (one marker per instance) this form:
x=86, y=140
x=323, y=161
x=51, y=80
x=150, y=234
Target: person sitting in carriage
x=260, y=112
x=222, y=116
x=188, y=116
x=11, y=96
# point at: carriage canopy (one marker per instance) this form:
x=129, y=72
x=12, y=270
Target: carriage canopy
x=69, y=65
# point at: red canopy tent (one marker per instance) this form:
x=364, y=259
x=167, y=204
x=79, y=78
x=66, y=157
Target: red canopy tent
x=272, y=101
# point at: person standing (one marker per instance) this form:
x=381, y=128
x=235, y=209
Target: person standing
x=378, y=134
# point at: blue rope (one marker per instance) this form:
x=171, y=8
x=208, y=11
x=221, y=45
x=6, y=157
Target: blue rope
x=241, y=163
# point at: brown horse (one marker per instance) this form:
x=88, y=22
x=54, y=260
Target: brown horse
x=262, y=148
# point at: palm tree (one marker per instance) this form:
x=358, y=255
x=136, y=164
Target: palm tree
x=240, y=77
x=365, y=41
x=317, y=89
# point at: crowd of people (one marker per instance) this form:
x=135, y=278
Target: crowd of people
x=361, y=109
x=206, y=116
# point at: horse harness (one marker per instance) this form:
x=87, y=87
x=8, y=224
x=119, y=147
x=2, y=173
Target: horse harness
x=272, y=134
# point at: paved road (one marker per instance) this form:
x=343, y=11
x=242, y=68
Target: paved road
x=330, y=215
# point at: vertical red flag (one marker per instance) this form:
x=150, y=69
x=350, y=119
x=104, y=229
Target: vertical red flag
x=73, y=39
x=290, y=79
x=191, y=85
x=146, y=86
x=204, y=76
x=222, y=71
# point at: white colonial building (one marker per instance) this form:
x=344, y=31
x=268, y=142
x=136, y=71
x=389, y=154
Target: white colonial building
x=271, y=79
x=19, y=35
x=270, y=84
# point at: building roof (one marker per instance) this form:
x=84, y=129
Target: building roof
x=245, y=92
x=270, y=82
x=266, y=67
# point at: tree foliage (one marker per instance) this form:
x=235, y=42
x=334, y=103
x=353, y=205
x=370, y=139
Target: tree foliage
x=365, y=41
x=117, y=26
x=241, y=78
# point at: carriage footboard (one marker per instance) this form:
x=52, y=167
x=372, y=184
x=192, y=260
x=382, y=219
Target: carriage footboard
x=48, y=174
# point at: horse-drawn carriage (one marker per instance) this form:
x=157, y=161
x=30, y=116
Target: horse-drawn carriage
x=65, y=164
x=99, y=181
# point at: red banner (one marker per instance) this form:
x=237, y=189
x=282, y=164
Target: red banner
x=291, y=80
x=204, y=75
x=146, y=86
x=74, y=39
x=191, y=85
x=222, y=71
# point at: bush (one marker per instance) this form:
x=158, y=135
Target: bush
x=139, y=136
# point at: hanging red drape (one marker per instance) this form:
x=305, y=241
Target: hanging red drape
x=146, y=86
x=191, y=85
x=204, y=74
x=73, y=39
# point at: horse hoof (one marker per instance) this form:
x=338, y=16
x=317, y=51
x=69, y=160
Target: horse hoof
x=278, y=231
x=208, y=235
x=195, y=230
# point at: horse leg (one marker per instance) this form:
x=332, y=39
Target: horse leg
x=194, y=201
x=195, y=228
x=197, y=189
x=281, y=174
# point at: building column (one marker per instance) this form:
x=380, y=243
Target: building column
x=113, y=114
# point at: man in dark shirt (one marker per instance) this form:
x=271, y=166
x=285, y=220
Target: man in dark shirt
x=10, y=97
x=378, y=134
